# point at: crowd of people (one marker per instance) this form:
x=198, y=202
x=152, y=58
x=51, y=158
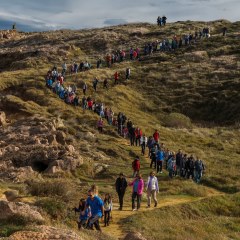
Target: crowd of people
x=94, y=208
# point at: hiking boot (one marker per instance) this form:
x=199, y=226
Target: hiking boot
x=155, y=205
x=134, y=209
x=148, y=206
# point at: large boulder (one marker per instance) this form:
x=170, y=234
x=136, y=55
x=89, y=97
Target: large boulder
x=9, y=210
x=46, y=233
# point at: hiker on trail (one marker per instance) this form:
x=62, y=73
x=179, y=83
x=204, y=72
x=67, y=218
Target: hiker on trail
x=183, y=166
x=99, y=63
x=153, y=153
x=138, y=135
x=190, y=167
x=95, y=83
x=116, y=77
x=199, y=168
x=64, y=69
x=156, y=136
x=179, y=157
x=136, y=166
x=138, y=186
x=170, y=166
x=132, y=135
x=128, y=72
x=131, y=53
x=159, y=21
x=84, y=215
x=100, y=125
x=164, y=20
x=97, y=210
x=105, y=83
x=224, y=31
x=84, y=88
x=121, y=185
x=90, y=103
x=107, y=208
x=159, y=159
x=129, y=124
x=84, y=103
x=152, y=188
x=143, y=143
x=150, y=144
x=14, y=26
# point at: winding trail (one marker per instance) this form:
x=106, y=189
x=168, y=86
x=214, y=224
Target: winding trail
x=116, y=228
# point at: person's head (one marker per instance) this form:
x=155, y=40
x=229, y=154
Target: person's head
x=152, y=173
x=179, y=150
x=91, y=193
x=107, y=196
x=121, y=175
x=138, y=176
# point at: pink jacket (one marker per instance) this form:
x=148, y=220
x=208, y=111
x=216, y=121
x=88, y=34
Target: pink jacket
x=140, y=186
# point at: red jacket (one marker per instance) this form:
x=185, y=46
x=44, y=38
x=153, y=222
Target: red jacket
x=138, y=132
x=156, y=136
x=136, y=165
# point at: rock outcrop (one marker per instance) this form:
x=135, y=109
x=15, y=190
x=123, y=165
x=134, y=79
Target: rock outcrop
x=45, y=233
x=10, y=210
x=35, y=145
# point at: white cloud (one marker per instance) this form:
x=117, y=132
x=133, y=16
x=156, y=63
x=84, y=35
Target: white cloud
x=47, y=14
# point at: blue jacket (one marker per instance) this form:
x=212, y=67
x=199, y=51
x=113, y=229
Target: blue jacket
x=160, y=155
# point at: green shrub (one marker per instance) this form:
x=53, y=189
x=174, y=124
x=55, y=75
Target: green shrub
x=48, y=188
x=177, y=120
x=54, y=207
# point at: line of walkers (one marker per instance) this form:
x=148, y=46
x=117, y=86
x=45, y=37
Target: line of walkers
x=189, y=167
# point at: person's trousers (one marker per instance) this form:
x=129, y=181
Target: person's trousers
x=132, y=140
x=94, y=220
x=143, y=148
x=135, y=195
x=151, y=194
x=159, y=166
x=120, y=197
x=137, y=141
x=153, y=160
x=106, y=217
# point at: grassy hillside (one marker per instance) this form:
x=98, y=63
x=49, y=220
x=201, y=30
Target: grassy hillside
x=200, y=81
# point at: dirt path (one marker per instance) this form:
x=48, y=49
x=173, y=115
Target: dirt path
x=116, y=229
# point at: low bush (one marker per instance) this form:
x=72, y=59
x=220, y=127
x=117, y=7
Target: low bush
x=177, y=120
x=48, y=188
x=54, y=207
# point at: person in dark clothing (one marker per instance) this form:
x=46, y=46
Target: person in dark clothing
x=164, y=20
x=121, y=185
x=224, y=31
x=153, y=152
x=183, y=165
x=179, y=157
x=132, y=135
x=190, y=167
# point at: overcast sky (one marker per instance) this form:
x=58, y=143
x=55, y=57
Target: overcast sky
x=75, y=14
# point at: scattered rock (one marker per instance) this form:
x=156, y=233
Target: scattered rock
x=61, y=137
x=2, y=118
x=10, y=210
x=46, y=233
x=11, y=195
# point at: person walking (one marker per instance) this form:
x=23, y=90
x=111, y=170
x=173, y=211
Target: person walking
x=143, y=143
x=152, y=188
x=159, y=160
x=121, y=185
x=136, y=166
x=138, y=186
x=97, y=210
x=107, y=208
x=199, y=168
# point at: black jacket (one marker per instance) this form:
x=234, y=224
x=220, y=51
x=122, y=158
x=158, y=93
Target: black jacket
x=121, y=184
